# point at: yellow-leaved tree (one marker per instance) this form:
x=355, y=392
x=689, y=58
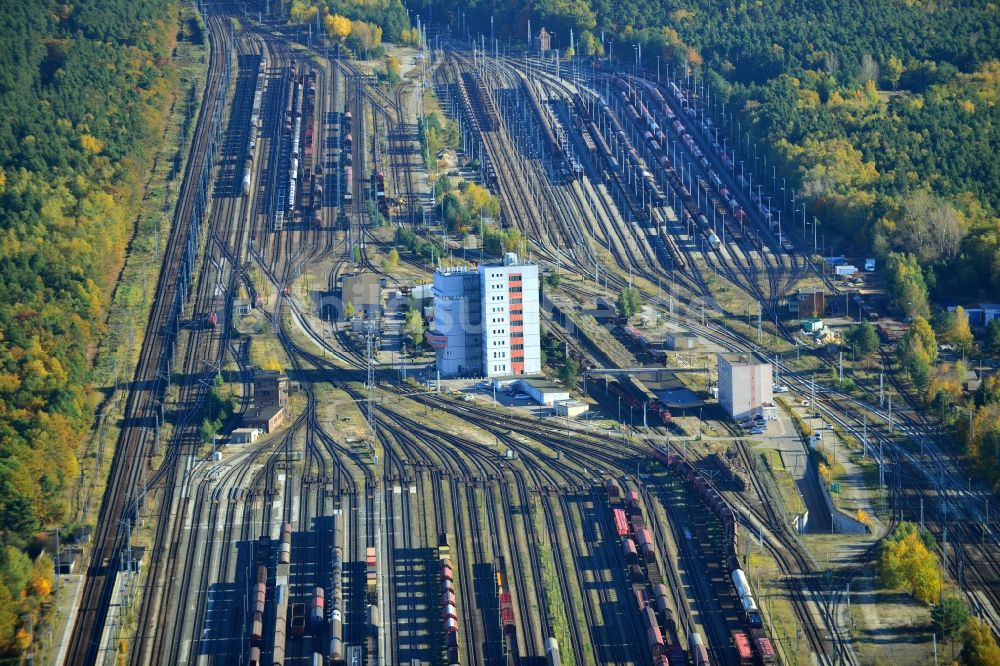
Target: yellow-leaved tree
x=337, y=26
x=906, y=560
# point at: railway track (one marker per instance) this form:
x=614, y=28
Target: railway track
x=474, y=491
x=118, y=506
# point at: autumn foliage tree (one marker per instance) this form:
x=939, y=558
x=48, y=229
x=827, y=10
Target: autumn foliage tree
x=338, y=27
x=906, y=561
x=84, y=91
x=979, y=647
x=918, y=351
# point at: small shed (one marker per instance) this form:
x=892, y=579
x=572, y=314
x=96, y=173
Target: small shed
x=244, y=436
x=65, y=562
x=681, y=341
x=570, y=408
x=811, y=325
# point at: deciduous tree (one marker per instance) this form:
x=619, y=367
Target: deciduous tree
x=979, y=647
x=568, y=373
x=414, y=327
x=338, y=27
x=863, y=338
x=905, y=561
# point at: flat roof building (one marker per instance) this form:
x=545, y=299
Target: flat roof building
x=746, y=386
x=542, y=391
x=456, y=335
x=486, y=320
x=681, y=341
x=244, y=436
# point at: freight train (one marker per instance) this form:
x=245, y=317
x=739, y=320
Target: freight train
x=683, y=100
x=643, y=343
x=684, y=470
x=656, y=141
x=449, y=616
x=551, y=143
x=651, y=594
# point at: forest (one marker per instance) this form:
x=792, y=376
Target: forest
x=84, y=88
x=881, y=116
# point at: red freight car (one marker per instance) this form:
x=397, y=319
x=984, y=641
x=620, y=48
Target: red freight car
x=506, y=609
x=621, y=522
x=766, y=650
x=743, y=648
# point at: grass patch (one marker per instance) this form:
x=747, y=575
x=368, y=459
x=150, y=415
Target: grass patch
x=553, y=597
x=784, y=481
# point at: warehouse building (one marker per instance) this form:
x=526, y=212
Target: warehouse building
x=745, y=386
x=266, y=419
x=486, y=320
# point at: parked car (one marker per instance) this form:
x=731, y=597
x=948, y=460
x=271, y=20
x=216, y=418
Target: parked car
x=758, y=430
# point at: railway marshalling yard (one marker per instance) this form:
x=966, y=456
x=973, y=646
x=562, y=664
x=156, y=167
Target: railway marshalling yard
x=389, y=517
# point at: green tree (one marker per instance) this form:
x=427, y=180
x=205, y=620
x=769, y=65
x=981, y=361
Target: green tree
x=863, y=338
x=554, y=279
x=988, y=391
x=209, y=429
x=17, y=515
x=979, y=648
x=992, y=340
x=949, y=617
x=568, y=373
x=629, y=302
x=414, y=327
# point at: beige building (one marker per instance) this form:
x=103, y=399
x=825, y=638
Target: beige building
x=746, y=386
